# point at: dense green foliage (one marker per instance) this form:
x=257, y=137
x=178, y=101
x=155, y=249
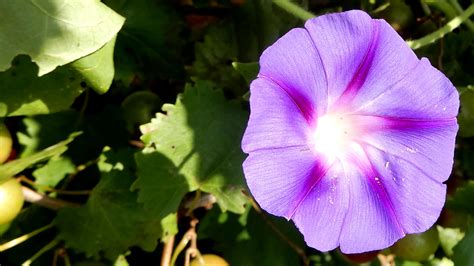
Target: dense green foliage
x=127, y=116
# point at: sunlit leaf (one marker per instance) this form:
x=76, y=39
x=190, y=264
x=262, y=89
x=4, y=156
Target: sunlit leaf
x=54, y=32
x=196, y=145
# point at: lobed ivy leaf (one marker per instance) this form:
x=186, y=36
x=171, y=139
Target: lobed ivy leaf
x=196, y=145
x=56, y=32
x=14, y=167
x=111, y=221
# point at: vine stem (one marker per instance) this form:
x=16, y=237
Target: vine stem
x=294, y=246
x=40, y=252
x=45, y=201
x=50, y=189
x=459, y=10
x=450, y=26
x=189, y=236
x=294, y=9
x=23, y=238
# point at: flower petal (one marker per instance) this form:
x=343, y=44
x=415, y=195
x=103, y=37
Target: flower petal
x=321, y=214
x=426, y=145
x=293, y=63
x=280, y=178
x=389, y=61
x=371, y=222
x=275, y=120
x=417, y=197
x=424, y=94
x=343, y=41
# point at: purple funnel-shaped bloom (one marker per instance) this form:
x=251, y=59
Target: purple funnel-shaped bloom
x=350, y=135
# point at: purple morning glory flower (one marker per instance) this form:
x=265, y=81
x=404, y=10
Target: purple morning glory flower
x=350, y=135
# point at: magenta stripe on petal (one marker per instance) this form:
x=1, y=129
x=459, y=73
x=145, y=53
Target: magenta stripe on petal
x=362, y=71
x=301, y=102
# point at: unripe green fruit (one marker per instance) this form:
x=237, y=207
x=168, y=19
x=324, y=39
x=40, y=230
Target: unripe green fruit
x=399, y=15
x=209, y=260
x=417, y=247
x=11, y=200
x=5, y=143
x=140, y=107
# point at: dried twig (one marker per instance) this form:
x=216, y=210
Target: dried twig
x=167, y=252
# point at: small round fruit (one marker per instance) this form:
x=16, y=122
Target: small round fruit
x=5, y=143
x=399, y=15
x=417, y=247
x=140, y=107
x=362, y=257
x=11, y=200
x=209, y=260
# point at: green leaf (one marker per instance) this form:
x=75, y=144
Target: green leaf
x=53, y=172
x=104, y=127
x=441, y=262
x=196, y=145
x=56, y=32
x=466, y=115
x=41, y=131
x=121, y=261
x=150, y=41
x=14, y=167
x=251, y=29
x=448, y=238
x=213, y=54
x=161, y=185
x=463, y=254
x=112, y=221
x=249, y=240
x=24, y=93
x=462, y=199
x=169, y=224
x=248, y=70
x=97, y=69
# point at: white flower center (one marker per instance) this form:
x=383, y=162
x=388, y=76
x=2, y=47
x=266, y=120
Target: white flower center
x=332, y=135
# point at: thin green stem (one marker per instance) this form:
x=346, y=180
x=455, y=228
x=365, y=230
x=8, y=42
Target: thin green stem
x=450, y=26
x=180, y=247
x=23, y=238
x=194, y=203
x=459, y=11
x=443, y=6
x=40, y=252
x=294, y=9
x=425, y=7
